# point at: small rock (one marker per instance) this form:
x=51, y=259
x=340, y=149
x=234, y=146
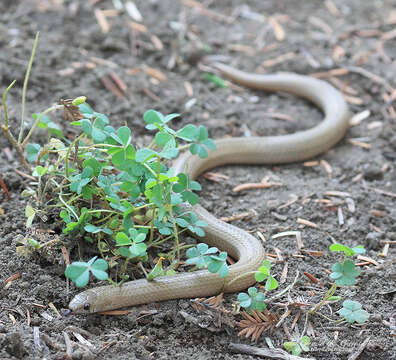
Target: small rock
x=373, y=172
x=373, y=240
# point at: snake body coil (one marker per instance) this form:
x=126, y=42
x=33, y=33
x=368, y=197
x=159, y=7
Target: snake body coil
x=238, y=243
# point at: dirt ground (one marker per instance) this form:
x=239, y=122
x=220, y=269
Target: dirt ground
x=77, y=56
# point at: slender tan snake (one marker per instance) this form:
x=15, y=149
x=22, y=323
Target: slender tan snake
x=239, y=244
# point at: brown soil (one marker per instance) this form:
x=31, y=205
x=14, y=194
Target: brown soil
x=74, y=56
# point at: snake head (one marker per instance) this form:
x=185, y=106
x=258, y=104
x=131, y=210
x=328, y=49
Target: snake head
x=83, y=302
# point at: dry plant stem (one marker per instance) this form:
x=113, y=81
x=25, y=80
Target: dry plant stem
x=8, y=133
x=25, y=83
x=17, y=147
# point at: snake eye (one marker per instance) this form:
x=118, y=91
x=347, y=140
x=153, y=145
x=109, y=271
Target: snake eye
x=86, y=307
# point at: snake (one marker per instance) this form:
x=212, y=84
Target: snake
x=247, y=250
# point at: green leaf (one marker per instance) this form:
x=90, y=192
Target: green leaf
x=218, y=81
x=30, y=213
x=122, y=239
x=352, y=312
x=32, y=152
x=292, y=347
x=124, y=133
x=189, y=133
x=253, y=300
x=142, y=155
x=94, y=164
x=79, y=100
x=94, y=229
x=99, y=268
x=244, y=300
x=162, y=138
x=39, y=171
x=84, y=108
x=345, y=273
x=271, y=284
x=152, y=117
x=78, y=272
x=347, y=250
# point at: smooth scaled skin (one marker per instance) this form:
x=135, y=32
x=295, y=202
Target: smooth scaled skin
x=239, y=244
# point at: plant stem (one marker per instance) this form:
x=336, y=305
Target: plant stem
x=45, y=112
x=158, y=242
x=325, y=298
x=176, y=234
x=68, y=154
x=25, y=83
x=18, y=149
x=5, y=106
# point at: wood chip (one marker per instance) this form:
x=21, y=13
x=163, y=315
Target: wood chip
x=157, y=42
x=264, y=184
x=340, y=216
x=137, y=27
x=389, y=35
x=249, y=50
x=315, y=253
x=378, y=213
x=343, y=86
x=249, y=214
x=374, y=125
x=133, y=11
x=292, y=201
x=189, y=89
x=277, y=28
x=279, y=59
x=118, y=81
x=361, y=144
x=109, y=85
x=321, y=24
x=311, y=163
x=359, y=117
x=13, y=277
x=283, y=277
x=326, y=166
x=201, y=9
x=333, y=10
x=102, y=21
x=368, y=259
x=385, y=250
x=286, y=233
x=311, y=277
x=330, y=73
x=307, y=223
x=151, y=95
x=353, y=100
x=337, y=193
x=155, y=73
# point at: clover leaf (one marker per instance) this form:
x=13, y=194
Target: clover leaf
x=297, y=347
x=344, y=273
x=253, y=300
x=352, y=312
x=203, y=256
x=347, y=250
x=263, y=273
x=78, y=271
